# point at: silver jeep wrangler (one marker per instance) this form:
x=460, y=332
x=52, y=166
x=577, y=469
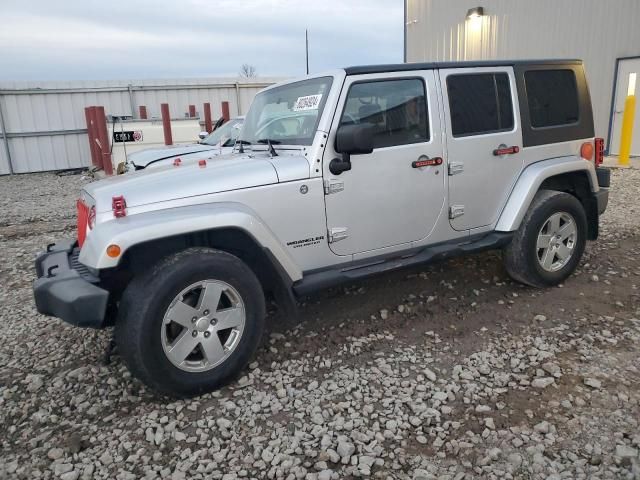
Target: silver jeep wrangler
x=335, y=177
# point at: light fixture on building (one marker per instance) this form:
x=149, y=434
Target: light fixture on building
x=475, y=21
x=475, y=12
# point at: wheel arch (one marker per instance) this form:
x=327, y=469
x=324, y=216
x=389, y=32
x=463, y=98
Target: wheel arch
x=571, y=175
x=577, y=184
x=147, y=237
x=273, y=278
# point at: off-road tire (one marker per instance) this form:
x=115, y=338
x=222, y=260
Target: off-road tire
x=147, y=298
x=520, y=255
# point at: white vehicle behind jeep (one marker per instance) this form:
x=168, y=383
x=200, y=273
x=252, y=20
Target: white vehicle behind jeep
x=334, y=177
x=218, y=142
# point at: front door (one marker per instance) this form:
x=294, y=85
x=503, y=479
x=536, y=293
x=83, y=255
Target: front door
x=386, y=199
x=483, y=142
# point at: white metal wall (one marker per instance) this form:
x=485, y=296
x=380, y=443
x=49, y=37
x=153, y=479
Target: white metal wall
x=45, y=121
x=596, y=31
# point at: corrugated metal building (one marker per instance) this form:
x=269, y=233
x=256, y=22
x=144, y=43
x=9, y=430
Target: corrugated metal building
x=605, y=34
x=45, y=121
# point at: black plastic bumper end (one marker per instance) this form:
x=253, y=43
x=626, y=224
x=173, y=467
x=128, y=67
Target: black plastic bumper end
x=61, y=291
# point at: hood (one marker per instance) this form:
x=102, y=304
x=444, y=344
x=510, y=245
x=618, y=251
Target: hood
x=221, y=174
x=143, y=158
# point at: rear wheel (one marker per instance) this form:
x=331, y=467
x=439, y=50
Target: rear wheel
x=191, y=323
x=548, y=246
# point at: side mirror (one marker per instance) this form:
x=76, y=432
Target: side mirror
x=351, y=140
x=355, y=139
x=202, y=135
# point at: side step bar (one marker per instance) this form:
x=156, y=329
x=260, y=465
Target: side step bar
x=322, y=279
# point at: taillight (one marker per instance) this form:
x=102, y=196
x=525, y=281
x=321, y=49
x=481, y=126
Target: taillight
x=91, y=219
x=586, y=151
x=599, y=147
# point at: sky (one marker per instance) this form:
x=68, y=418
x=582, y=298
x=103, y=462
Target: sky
x=138, y=39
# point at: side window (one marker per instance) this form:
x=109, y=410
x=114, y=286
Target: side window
x=396, y=108
x=479, y=103
x=552, y=96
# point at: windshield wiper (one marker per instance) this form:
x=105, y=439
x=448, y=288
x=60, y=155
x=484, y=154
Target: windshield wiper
x=271, y=143
x=241, y=143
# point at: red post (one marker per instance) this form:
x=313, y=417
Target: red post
x=192, y=111
x=207, y=118
x=96, y=136
x=143, y=112
x=103, y=138
x=225, y=111
x=166, y=124
x=91, y=134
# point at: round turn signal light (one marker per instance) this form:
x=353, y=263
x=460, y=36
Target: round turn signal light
x=113, y=251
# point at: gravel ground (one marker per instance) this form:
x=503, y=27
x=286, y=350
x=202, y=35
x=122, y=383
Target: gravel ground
x=450, y=371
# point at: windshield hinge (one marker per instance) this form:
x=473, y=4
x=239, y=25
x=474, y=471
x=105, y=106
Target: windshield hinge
x=332, y=187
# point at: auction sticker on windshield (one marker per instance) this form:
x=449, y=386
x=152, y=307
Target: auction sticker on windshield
x=310, y=102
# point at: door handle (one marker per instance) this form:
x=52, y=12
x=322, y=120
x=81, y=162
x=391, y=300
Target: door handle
x=504, y=150
x=425, y=161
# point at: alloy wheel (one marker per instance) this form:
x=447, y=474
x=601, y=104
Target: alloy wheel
x=203, y=325
x=556, y=241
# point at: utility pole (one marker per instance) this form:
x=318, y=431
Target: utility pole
x=306, y=43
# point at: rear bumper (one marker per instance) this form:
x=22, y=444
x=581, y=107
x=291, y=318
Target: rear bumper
x=66, y=289
x=604, y=181
x=604, y=176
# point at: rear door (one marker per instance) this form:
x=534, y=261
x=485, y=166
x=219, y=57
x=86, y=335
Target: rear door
x=483, y=142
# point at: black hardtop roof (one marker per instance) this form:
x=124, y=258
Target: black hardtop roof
x=404, y=67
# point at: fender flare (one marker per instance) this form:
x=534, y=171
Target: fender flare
x=132, y=230
x=529, y=183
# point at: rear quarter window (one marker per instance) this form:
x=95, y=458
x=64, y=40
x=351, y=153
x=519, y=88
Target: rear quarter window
x=552, y=96
x=555, y=105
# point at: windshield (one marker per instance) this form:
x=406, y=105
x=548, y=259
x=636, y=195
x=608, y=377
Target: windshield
x=288, y=114
x=226, y=135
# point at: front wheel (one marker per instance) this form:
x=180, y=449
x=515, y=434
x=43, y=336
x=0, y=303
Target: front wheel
x=547, y=247
x=191, y=323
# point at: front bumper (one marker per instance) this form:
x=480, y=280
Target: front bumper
x=66, y=289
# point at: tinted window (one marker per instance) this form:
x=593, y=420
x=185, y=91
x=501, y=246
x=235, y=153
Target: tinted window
x=479, y=103
x=396, y=108
x=552, y=96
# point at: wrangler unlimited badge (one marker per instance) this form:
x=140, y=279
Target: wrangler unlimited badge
x=305, y=242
